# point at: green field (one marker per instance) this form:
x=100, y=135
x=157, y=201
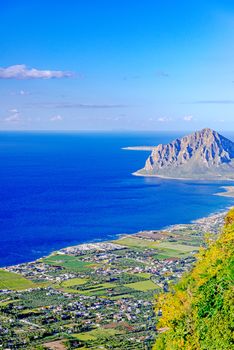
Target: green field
x=96, y=333
x=100, y=289
x=74, y=282
x=183, y=248
x=143, y=243
x=142, y=286
x=121, y=296
x=68, y=262
x=30, y=311
x=13, y=281
x=84, y=336
x=166, y=253
x=144, y=275
x=69, y=290
x=137, y=242
x=166, y=249
x=8, y=302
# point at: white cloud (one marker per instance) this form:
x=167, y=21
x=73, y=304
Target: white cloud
x=14, y=116
x=13, y=110
x=20, y=71
x=23, y=92
x=56, y=118
x=188, y=118
x=164, y=119
x=20, y=92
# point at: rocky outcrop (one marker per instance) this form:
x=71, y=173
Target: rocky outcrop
x=204, y=154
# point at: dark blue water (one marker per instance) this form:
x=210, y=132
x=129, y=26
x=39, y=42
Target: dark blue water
x=58, y=190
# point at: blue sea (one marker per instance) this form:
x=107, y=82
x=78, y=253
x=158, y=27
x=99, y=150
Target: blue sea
x=61, y=189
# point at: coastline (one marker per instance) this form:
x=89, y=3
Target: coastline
x=228, y=191
x=217, y=215
x=138, y=148
x=137, y=173
x=91, y=289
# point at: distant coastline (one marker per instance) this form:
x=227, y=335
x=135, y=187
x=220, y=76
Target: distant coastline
x=139, y=148
x=210, y=222
x=229, y=191
x=138, y=173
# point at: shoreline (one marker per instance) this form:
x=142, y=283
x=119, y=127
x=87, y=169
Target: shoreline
x=137, y=173
x=138, y=148
x=228, y=192
x=115, y=238
x=93, y=288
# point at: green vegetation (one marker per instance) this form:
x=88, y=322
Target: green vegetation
x=74, y=282
x=96, y=333
x=6, y=303
x=38, y=298
x=68, y=262
x=99, y=297
x=145, y=275
x=142, y=286
x=199, y=313
x=85, y=336
x=87, y=288
x=13, y=281
x=122, y=296
x=183, y=248
x=163, y=250
x=137, y=242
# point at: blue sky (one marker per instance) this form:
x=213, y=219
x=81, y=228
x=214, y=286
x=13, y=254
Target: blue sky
x=116, y=65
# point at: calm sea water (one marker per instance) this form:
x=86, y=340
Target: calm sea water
x=58, y=190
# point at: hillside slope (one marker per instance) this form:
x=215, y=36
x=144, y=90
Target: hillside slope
x=204, y=154
x=199, y=313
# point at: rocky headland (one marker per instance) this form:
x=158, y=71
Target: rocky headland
x=203, y=155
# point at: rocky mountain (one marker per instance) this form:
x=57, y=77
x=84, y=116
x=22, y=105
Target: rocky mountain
x=204, y=155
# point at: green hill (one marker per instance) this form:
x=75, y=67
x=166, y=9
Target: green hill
x=199, y=313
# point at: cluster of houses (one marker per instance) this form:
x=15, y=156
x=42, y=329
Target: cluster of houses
x=69, y=312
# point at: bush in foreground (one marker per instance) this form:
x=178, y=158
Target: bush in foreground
x=199, y=313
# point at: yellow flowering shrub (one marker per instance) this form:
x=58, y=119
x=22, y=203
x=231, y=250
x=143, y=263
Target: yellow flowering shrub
x=199, y=313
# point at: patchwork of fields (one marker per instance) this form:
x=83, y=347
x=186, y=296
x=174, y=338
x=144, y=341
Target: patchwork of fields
x=95, y=296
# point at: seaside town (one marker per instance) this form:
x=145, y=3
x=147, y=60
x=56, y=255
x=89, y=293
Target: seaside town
x=98, y=295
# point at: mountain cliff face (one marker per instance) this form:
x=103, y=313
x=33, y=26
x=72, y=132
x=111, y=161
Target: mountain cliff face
x=204, y=154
